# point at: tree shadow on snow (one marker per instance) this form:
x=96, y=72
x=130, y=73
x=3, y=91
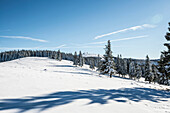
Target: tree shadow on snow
x=117, y=76
x=73, y=72
x=100, y=96
x=61, y=66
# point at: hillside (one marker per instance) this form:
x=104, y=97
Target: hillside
x=43, y=85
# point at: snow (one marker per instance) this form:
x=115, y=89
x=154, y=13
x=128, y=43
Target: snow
x=42, y=85
x=91, y=55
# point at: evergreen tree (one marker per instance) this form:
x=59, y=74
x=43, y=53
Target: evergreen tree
x=131, y=70
x=164, y=63
x=138, y=71
x=59, y=58
x=128, y=63
x=118, y=65
x=148, y=71
x=75, y=61
x=143, y=70
x=81, y=61
x=98, y=61
x=108, y=65
x=55, y=55
x=123, y=67
x=92, y=63
x=155, y=73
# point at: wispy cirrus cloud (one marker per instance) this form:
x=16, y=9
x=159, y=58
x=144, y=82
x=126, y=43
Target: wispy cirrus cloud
x=54, y=48
x=61, y=46
x=23, y=37
x=93, y=46
x=127, y=29
x=122, y=39
x=19, y=48
x=33, y=48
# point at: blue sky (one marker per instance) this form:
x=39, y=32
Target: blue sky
x=135, y=28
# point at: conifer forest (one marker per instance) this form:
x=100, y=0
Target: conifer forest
x=84, y=56
x=157, y=72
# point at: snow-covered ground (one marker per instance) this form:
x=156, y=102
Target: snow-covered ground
x=42, y=85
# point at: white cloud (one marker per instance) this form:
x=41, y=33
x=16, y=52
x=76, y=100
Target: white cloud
x=87, y=46
x=54, y=48
x=127, y=29
x=20, y=48
x=61, y=46
x=23, y=37
x=129, y=38
x=34, y=48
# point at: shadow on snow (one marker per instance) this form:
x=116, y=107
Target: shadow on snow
x=84, y=73
x=100, y=96
x=61, y=66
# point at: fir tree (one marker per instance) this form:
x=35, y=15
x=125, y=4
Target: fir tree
x=123, y=67
x=118, y=65
x=108, y=65
x=75, y=61
x=138, y=71
x=148, y=71
x=59, y=58
x=98, y=61
x=131, y=70
x=92, y=63
x=155, y=73
x=164, y=63
x=81, y=61
x=128, y=63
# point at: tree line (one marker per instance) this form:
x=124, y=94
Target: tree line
x=153, y=73
x=107, y=64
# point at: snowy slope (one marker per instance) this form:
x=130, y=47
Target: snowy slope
x=42, y=85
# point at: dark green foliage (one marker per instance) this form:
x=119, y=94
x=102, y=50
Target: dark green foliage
x=75, y=61
x=59, y=58
x=81, y=61
x=92, y=64
x=108, y=65
x=164, y=63
x=155, y=73
x=132, y=70
x=148, y=71
x=98, y=61
x=118, y=65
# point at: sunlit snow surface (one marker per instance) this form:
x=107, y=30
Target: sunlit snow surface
x=42, y=85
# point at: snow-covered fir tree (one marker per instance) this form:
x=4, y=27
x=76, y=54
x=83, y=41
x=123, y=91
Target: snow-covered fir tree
x=108, y=65
x=98, y=61
x=75, y=61
x=128, y=63
x=55, y=55
x=148, y=70
x=118, y=65
x=80, y=61
x=59, y=58
x=123, y=67
x=138, y=71
x=92, y=64
x=131, y=70
x=143, y=70
x=164, y=63
x=155, y=73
